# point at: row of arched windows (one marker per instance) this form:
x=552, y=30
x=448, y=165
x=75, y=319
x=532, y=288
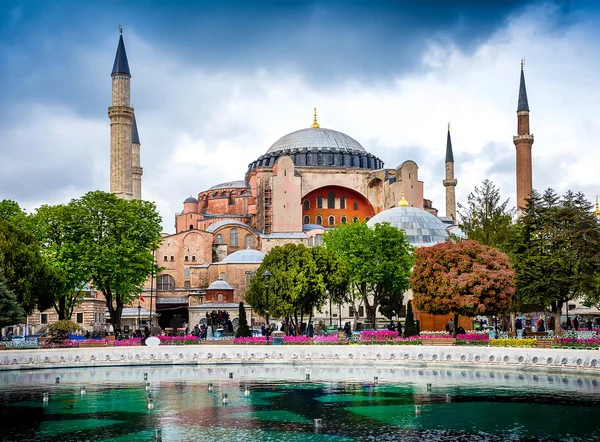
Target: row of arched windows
x=234, y=239
x=331, y=220
x=330, y=202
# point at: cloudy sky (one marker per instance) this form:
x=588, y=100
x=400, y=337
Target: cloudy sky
x=215, y=83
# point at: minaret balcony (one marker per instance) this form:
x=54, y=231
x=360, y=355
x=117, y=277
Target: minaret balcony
x=450, y=183
x=528, y=137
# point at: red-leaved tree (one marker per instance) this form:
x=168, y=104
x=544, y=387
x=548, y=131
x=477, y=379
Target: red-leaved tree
x=464, y=278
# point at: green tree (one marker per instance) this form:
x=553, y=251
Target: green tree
x=334, y=272
x=115, y=240
x=296, y=287
x=53, y=227
x=11, y=211
x=485, y=218
x=11, y=311
x=23, y=266
x=243, y=330
x=465, y=278
x=556, y=252
x=410, y=328
x=379, y=261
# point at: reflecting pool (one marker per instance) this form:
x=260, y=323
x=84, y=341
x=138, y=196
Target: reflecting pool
x=296, y=403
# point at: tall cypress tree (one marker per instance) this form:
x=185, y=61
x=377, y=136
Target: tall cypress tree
x=410, y=328
x=243, y=330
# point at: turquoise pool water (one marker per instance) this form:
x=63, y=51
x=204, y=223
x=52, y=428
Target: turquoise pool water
x=281, y=405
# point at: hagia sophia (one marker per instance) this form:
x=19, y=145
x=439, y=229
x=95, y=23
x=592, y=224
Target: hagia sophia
x=306, y=182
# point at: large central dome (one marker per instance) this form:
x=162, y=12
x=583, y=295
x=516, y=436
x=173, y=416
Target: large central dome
x=317, y=139
x=319, y=148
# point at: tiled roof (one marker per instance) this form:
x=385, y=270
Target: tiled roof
x=121, y=66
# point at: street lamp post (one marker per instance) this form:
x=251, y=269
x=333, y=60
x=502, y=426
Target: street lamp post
x=140, y=317
x=267, y=275
x=567, y=305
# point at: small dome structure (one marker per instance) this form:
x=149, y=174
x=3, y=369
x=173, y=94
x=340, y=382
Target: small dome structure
x=219, y=284
x=247, y=256
x=421, y=227
x=190, y=199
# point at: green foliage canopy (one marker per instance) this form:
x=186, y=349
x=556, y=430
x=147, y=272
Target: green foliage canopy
x=556, y=251
x=11, y=311
x=379, y=260
x=485, y=218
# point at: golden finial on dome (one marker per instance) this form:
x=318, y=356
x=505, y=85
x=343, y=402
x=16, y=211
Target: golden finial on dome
x=597, y=211
x=315, y=125
x=403, y=202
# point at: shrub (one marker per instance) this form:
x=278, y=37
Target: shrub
x=243, y=330
x=60, y=330
x=410, y=328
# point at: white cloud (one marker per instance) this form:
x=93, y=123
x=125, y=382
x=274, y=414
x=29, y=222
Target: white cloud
x=200, y=128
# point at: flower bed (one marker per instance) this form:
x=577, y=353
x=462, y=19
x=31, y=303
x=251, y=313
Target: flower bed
x=513, y=342
x=178, y=340
x=331, y=339
x=587, y=343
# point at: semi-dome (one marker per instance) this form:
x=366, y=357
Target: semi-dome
x=421, y=227
x=246, y=256
x=219, y=284
x=317, y=139
x=238, y=184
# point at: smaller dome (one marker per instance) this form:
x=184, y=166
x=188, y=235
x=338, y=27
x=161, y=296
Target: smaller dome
x=309, y=227
x=191, y=199
x=219, y=284
x=247, y=256
x=421, y=227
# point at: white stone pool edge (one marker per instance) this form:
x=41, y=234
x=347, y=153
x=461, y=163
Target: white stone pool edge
x=373, y=355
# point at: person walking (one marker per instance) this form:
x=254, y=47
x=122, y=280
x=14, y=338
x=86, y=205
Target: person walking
x=519, y=327
x=450, y=326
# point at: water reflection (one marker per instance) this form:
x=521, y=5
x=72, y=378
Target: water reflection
x=277, y=403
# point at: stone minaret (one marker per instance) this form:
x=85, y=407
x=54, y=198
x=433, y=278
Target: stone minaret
x=136, y=170
x=523, y=143
x=450, y=182
x=121, y=117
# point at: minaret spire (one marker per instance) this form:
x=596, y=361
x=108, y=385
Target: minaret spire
x=523, y=144
x=450, y=182
x=121, y=122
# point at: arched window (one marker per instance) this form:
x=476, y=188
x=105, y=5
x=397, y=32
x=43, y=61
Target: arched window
x=331, y=220
x=342, y=202
x=233, y=238
x=306, y=205
x=249, y=241
x=320, y=159
x=343, y=220
x=319, y=220
x=306, y=219
x=191, y=227
x=219, y=239
x=355, y=205
x=355, y=219
x=367, y=218
x=319, y=202
x=331, y=200
x=165, y=283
